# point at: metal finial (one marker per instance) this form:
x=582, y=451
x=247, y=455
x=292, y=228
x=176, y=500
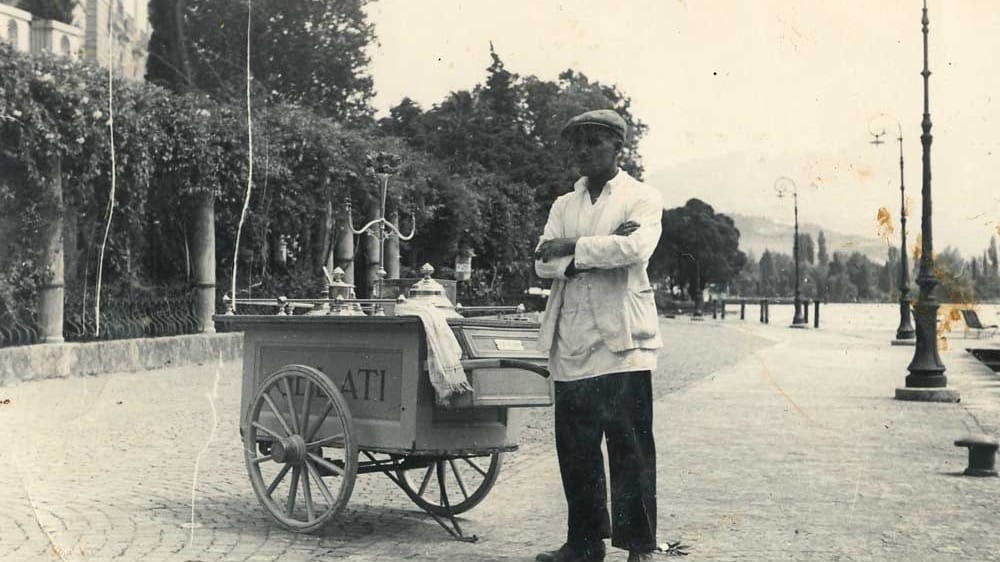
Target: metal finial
x=427, y=270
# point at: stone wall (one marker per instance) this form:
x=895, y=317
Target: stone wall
x=61, y=360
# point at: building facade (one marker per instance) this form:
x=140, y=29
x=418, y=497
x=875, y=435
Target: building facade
x=122, y=45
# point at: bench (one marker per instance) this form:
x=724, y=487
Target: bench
x=972, y=322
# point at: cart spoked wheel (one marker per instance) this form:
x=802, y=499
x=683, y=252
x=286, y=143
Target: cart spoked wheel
x=300, y=448
x=466, y=482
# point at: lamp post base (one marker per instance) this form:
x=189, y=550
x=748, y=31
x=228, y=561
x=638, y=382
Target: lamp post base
x=927, y=394
x=910, y=342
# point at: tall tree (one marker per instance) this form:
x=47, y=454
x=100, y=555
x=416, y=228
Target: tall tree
x=807, y=251
x=700, y=245
x=992, y=253
x=310, y=53
x=501, y=141
x=822, y=257
x=168, y=63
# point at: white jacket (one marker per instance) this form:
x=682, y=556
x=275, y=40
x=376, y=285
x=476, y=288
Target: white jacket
x=626, y=311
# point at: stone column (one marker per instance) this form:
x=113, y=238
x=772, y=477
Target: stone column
x=203, y=258
x=343, y=253
x=392, y=249
x=372, y=256
x=50, y=295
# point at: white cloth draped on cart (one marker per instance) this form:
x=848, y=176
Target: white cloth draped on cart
x=444, y=354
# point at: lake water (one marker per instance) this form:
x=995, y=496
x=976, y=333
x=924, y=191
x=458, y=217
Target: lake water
x=874, y=319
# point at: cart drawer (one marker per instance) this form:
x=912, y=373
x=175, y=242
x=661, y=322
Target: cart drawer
x=504, y=387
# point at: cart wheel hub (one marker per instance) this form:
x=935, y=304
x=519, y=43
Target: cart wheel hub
x=289, y=450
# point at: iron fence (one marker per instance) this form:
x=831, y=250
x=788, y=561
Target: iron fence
x=18, y=331
x=128, y=315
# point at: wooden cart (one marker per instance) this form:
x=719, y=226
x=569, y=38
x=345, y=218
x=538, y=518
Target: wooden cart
x=326, y=398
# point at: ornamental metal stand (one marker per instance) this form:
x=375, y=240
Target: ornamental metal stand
x=380, y=227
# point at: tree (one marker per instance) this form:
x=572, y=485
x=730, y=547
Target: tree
x=822, y=257
x=992, y=253
x=58, y=10
x=768, y=273
x=309, y=53
x=698, y=246
x=500, y=144
x=807, y=252
x=168, y=63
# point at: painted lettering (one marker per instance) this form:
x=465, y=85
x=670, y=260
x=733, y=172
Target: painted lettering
x=349, y=385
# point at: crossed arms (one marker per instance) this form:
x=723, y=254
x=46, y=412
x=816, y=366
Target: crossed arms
x=633, y=241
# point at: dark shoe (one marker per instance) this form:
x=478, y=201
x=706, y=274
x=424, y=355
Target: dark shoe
x=637, y=556
x=573, y=553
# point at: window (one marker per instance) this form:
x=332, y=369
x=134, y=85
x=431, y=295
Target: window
x=12, y=32
x=64, y=46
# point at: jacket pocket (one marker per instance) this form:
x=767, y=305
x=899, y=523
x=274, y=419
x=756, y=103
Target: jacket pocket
x=640, y=306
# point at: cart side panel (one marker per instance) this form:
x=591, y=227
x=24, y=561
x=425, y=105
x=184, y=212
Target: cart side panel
x=441, y=429
x=373, y=367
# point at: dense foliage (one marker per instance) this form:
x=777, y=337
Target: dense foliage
x=500, y=143
x=477, y=172
x=853, y=277
x=698, y=247
x=309, y=53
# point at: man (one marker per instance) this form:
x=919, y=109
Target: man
x=601, y=330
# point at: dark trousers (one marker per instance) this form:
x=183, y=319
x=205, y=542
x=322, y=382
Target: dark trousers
x=618, y=407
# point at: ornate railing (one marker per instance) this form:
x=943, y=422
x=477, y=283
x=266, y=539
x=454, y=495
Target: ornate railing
x=127, y=315
x=18, y=331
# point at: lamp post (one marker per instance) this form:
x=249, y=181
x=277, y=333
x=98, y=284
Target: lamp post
x=696, y=315
x=926, y=381
x=781, y=186
x=904, y=333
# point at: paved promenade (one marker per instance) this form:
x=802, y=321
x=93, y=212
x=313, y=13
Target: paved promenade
x=773, y=444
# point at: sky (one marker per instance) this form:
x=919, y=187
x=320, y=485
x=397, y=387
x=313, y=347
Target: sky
x=738, y=94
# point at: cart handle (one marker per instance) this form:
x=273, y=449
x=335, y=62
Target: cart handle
x=501, y=363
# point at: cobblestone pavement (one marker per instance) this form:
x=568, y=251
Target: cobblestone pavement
x=773, y=444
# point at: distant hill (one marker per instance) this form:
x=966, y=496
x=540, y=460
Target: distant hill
x=760, y=233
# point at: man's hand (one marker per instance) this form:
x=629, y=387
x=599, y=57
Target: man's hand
x=556, y=248
x=626, y=228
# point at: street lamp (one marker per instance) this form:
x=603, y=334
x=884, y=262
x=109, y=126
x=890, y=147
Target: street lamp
x=926, y=381
x=696, y=315
x=904, y=333
x=781, y=186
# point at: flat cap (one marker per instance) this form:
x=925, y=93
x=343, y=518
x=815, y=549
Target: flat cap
x=605, y=118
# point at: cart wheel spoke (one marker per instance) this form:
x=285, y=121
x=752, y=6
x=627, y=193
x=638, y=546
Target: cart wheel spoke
x=319, y=482
x=458, y=478
x=292, y=489
x=427, y=479
x=277, y=479
x=326, y=441
x=473, y=481
x=476, y=466
x=306, y=403
x=270, y=404
x=259, y=460
x=287, y=387
x=307, y=497
x=263, y=428
x=319, y=422
x=326, y=464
